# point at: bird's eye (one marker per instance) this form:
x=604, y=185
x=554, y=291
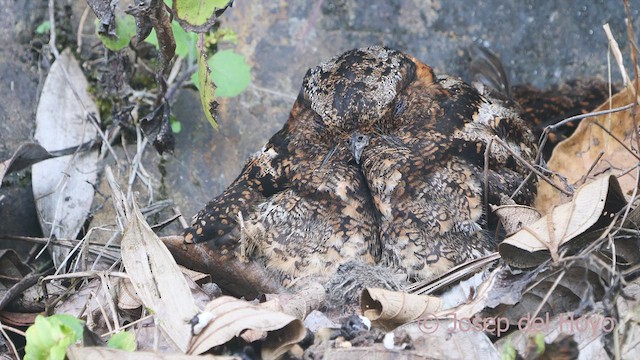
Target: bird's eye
x=399, y=108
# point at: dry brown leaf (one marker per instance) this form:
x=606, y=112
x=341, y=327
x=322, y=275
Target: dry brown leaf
x=76, y=352
x=591, y=209
x=553, y=290
x=129, y=300
x=514, y=217
x=299, y=304
x=586, y=330
x=575, y=158
x=483, y=298
x=436, y=340
x=232, y=317
x=85, y=301
x=392, y=308
x=157, y=279
x=27, y=154
x=64, y=187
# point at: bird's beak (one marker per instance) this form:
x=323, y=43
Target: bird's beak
x=357, y=143
x=356, y=155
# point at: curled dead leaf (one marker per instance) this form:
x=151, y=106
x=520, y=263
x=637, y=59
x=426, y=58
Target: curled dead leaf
x=584, y=218
x=299, y=304
x=394, y=308
x=231, y=318
x=514, y=217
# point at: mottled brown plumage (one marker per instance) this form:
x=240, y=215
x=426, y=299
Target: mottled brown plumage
x=425, y=172
x=381, y=161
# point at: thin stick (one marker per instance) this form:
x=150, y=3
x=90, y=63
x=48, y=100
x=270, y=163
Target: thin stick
x=19, y=287
x=550, y=128
x=591, y=114
x=531, y=167
x=544, y=300
x=8, y=339
x=83, y=19
x=593, y=166
x=617, y=54
x=52, y=30
x=142, y=319
x=487, y=153
x=618, y=140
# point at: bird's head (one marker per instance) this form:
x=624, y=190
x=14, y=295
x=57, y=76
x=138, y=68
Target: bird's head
x=357, y=88
x=357, y=142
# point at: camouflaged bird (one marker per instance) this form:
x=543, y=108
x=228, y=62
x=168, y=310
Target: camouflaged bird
x=380, y=162
x=424, y=166
x=307, y=203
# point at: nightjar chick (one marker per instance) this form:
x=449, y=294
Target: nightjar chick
x=425, y=171
x=380, y=163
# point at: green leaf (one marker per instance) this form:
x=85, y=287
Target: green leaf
x=197, y=12
x=70, y=322
x=49, y=337
x=44, y=27
x=540, y=345
x=185, y=41
x=205, y=85
x=508, y=352
x=125, y=31
x=123, y=340
x=229, y=72
x=176, y=126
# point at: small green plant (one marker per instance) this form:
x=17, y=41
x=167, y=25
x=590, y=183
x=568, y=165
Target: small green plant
x=125, y=31
x=123, y=340
x=230, y=73
x=223, y=74
x=45, y=27
x=49, y=337
x=176, y=125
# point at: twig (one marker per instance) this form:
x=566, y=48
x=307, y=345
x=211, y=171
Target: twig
x=544, y=300
x=19, y=287
x=8, y=339
x=142, y=319
x=175, y=85
x=79, y=35
x=161, y=225
x=107, y=288
x=52, y=30
x=175, y=69
x=617, y=54
x=181, y=219
x=618, y=140
x=522, y=184
x=487, y=153
x=593, y=165
x=550, y=128
x=591, y=114
x=531, y=167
